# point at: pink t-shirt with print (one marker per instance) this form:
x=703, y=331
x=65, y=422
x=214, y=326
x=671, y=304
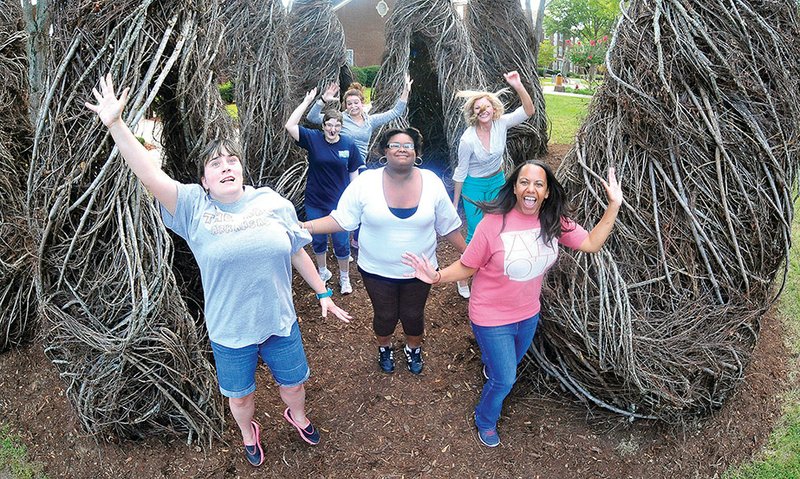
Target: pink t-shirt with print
x=511, y=265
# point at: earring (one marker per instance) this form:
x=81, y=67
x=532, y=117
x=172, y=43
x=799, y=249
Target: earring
x=418, y=161
x=383, y=160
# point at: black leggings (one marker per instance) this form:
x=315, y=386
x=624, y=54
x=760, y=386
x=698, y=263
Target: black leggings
x=393, y=301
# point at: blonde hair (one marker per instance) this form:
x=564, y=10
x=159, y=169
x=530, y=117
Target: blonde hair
x=355, y=89
x=472, y=96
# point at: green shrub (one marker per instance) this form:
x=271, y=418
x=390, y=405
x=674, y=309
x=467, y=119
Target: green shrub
x=366, y=75
x=226, y=92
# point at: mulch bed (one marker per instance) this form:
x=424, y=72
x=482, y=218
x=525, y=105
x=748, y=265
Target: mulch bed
x=400, y=425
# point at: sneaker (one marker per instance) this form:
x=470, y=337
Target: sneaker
x=344, y=283
x=354, y=243
x=463, y=289
x=386, y=358
x=309, y=434
x=255, y=453
x=489, y=437
x=325, y=274
x=414, y=359
x=350, y=259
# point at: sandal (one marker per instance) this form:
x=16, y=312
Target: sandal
x=309, y=433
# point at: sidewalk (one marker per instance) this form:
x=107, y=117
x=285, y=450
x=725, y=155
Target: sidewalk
x=550, y=90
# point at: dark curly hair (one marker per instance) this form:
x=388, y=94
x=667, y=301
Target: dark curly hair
x=415, y=135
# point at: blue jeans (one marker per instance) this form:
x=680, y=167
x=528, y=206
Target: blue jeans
x=502, y=348
x=319, y=243
x=284, y=355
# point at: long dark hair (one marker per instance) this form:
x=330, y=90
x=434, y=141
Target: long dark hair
x=552, y=210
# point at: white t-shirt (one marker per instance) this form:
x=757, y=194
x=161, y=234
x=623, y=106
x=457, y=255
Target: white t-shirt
x=384, y=237
x=475, y=160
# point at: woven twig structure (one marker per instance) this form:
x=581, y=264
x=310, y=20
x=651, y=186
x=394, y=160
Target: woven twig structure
x=701, y=117
x=17, y=297
x=426, y=39
x=134, y=360
x=503, y=39
x=261, y=77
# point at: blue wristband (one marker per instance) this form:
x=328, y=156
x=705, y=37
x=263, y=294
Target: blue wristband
x=326, y=294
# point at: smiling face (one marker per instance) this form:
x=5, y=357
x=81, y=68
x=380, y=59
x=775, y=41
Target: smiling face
x=400, y=152
x=353, y=106
x=222, y=176
x=483, y=110
x=531, y=189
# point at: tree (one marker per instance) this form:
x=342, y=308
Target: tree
x=585, y=19
x=547, y=54
x=588, y=55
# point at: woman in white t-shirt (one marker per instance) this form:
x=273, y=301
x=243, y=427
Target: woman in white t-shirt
x=400, y=207
x=479, y=174
x=512, y=249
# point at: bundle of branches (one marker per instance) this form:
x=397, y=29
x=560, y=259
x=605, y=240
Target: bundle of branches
x=17, y=297
x=428, y=40
x=700, y=114
x=134, y=360
x=261, y=77
x=503, y=39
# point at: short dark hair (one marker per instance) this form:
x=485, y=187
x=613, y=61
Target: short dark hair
x=415, y=135
x=211, y=150
x=333, y=114
x=555, y=207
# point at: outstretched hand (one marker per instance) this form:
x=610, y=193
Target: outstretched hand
x=423, y=269
x=109, y=107
x=328, y=305
x=513, y=79
x=310, y=96
x=613, y=187
x=407, y=84
x=331, y=92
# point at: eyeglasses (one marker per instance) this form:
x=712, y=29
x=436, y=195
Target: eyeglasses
x=397, y=146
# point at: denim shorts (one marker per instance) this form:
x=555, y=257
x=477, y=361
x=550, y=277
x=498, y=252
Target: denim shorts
x=283, y=355
x=319, y=243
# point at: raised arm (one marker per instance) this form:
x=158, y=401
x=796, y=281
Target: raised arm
x=315, y=113
x=406, y=88
x=109, y=109
x=599, y=234
x=293, y=123
x=514, y=80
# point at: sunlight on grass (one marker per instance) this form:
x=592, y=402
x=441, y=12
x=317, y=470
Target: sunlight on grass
x=233, y=111
x=781, y=457
x=566, y=114
x=14, y=461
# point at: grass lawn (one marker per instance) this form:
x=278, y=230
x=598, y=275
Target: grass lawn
x=566, y=113
x=781, y=457
x=14, y=460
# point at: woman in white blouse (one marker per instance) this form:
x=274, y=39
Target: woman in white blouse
x=479, y=174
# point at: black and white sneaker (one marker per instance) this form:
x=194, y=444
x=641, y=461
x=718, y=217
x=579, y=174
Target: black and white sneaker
x=414, y=359
x=386, y=358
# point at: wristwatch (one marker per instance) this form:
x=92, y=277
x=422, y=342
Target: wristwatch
x=326, y=294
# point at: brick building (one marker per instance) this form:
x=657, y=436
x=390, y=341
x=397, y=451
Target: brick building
x=363, y=22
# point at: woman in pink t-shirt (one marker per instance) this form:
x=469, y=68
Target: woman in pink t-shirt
x=511, y=250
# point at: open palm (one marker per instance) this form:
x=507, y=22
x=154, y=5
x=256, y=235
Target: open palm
x=108, y=107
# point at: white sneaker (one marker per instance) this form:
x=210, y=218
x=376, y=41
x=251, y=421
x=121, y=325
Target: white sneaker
x=463, y=290
x=325, y=275
x=350, y=258
x=344, y=283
